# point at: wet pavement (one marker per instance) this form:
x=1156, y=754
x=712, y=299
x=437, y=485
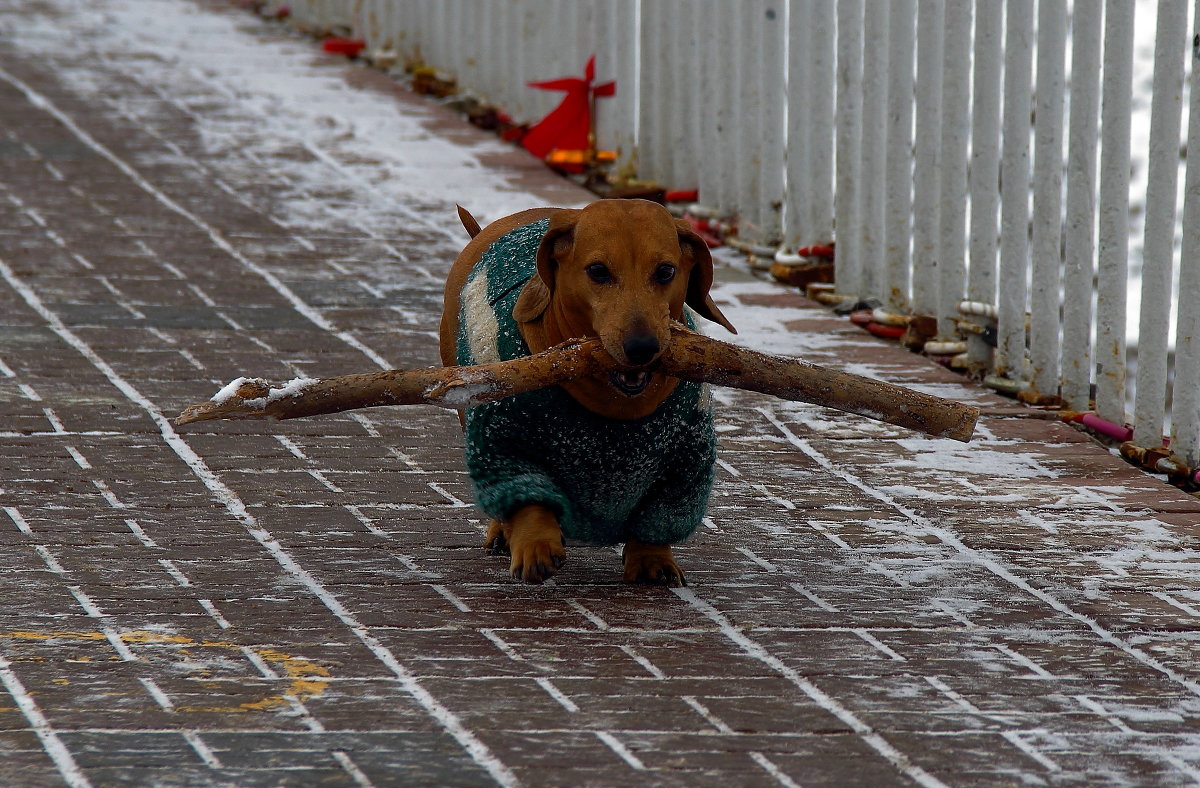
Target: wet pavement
x=308, y=602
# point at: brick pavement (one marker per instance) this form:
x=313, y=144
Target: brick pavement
x=307, y=602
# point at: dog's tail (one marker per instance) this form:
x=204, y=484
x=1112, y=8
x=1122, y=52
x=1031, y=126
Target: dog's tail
x=468, y=221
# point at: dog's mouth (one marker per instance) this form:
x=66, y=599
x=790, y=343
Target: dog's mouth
x=630, y=383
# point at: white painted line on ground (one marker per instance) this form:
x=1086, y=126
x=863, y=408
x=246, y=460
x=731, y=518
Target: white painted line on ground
x=1170, y=600
x=621, y=750
x=55, y=422
x=18, y=520
x=706, y=713
x=881, y=745
x=206, y=754
x=108, y=495
x=211, y=609
x=557, y=694
x=140, y=534
x=452, y=598
x=79, y=459
x=156, y=692
x=773, y=770
x=582, y=610
x=51, y=743
x=176, y=575
x=351, y=768
x=51, y=562
x=649, y=666
x=767, y=565
x=816, y=600
x=880, y=645
x=1018, y=741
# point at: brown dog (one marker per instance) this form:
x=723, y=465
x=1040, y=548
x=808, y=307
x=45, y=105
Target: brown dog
x=620, y=270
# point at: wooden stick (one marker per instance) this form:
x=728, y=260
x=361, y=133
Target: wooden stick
x=695, y=357
x=690, y=356
x=448, y=387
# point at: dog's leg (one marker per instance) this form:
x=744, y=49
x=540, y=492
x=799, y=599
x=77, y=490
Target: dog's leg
x=651, y=563
x=535, y=540
x=496, y=542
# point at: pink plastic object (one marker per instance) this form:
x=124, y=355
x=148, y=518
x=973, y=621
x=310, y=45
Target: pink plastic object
x=1105, y=427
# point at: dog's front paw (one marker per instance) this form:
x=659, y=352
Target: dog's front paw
x=536, y=543
x=536, y=561
x=651, y=564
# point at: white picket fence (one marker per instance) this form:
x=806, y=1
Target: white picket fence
x=910, y=122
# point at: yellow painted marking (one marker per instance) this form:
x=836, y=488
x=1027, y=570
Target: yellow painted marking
x=305, y=675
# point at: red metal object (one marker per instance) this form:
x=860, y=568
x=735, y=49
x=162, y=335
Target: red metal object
x=350, y=47
x=682, y=195
x=816, y=250
x=704, y=229
x=887, y=332
x=569, y=125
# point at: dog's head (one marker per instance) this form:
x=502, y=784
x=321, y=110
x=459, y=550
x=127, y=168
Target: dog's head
x=620, y=270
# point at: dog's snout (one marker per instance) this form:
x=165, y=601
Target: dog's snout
x=641, y=348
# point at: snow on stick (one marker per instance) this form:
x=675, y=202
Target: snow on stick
x=690, y=356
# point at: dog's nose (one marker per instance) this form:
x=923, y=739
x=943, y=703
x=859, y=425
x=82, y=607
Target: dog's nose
x=641, y=348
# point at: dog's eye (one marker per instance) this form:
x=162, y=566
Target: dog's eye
x=599, y=273
x=664, y=273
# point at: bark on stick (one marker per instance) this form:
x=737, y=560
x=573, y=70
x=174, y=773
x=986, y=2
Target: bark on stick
x=689, y=357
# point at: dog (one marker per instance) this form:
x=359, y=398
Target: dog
x=624, y=457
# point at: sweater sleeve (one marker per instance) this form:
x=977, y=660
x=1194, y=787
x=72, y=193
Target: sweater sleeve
x=504, y=476
x=675, y=505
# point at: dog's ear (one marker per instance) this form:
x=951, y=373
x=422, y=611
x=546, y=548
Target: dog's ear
x=558, y=240
x=701, y=278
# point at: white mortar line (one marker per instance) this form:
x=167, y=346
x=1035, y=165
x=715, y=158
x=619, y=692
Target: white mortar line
x=211, y=609
x=351, y=768
x=1170, y=600
x=1015, y=738
x=621, y=750
x=773, y=770
x=557, y=694
x=18, y=520
x=582, y=610
x=156, y=692
x=54, y=747
x=880, y=645
x=140, y=534
x=206, y=754
x=78, y=457
x=706, y=713
x=453, y=725
x=984, y=559
x=816, y=600
x=649, y=666
x=765, y=564
x=451, y=597
x=55, y=421
x=176, y=575
x=51, y=562
x=876, y=742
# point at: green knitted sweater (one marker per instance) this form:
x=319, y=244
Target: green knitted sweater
x=606, y=479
